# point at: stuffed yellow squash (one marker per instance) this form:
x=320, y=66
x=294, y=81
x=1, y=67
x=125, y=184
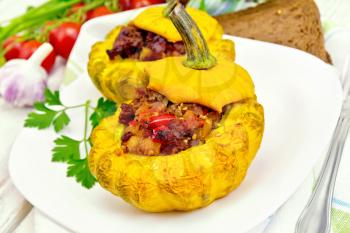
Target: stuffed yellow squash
x=116, y=65
x=188, y=134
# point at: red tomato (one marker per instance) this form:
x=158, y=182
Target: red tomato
x=162, y=120
x=142, y=3
x=13, y=47
x=125, y=5
x=63, y=38
x=29, y=47
x=99, y=11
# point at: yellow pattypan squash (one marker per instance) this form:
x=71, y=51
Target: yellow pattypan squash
x=184, y=181
x=226, y=83
x=153, y=20
x=195, y=177
x=100, y=66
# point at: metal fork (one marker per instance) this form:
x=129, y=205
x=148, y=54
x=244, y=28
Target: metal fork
x=315, y=218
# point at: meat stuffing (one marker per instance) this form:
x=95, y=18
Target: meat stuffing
x=135, y=43
x=154, y=125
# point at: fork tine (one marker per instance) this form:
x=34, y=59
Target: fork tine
x=345, y=74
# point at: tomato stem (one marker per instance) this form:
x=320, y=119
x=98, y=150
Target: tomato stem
x=198, y=54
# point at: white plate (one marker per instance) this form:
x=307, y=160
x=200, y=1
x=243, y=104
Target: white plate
x=302, y=100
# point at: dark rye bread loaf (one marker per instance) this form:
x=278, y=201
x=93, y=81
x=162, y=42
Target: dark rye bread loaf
x=293, y=23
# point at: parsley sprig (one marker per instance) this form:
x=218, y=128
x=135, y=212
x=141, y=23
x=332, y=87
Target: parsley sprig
x=52, y=112
x=44, y=116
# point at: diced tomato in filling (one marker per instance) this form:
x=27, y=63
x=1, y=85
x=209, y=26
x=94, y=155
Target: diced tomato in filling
x=135, y=43
x=160, y=120
x=154, y=125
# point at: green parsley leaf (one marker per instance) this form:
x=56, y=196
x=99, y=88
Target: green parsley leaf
x=66, y=149
x=61, y=121
x=80, y=170
x=42, y=118
x=104, y=108
x=52, y=98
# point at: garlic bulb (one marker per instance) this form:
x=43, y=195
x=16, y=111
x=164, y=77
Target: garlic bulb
x=23, y=82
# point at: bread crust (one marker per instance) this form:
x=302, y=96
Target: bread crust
x=294, y=23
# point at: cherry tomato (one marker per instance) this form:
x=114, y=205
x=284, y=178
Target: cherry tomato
x=63, y=38
x=29, y=47
x=125, y=5
x=12, y=45
x=99, y=11
x=162, y=120
x=142, y=3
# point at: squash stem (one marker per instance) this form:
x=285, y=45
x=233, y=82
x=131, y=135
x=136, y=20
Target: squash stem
x=198, y=54
x=169, y=7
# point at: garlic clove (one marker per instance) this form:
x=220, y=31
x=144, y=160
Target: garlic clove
x=23, y=82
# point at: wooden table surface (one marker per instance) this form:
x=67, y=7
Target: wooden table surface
x=13, y=207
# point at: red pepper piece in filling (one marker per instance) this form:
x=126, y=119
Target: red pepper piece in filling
x=132, y=123
x=162, y=120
